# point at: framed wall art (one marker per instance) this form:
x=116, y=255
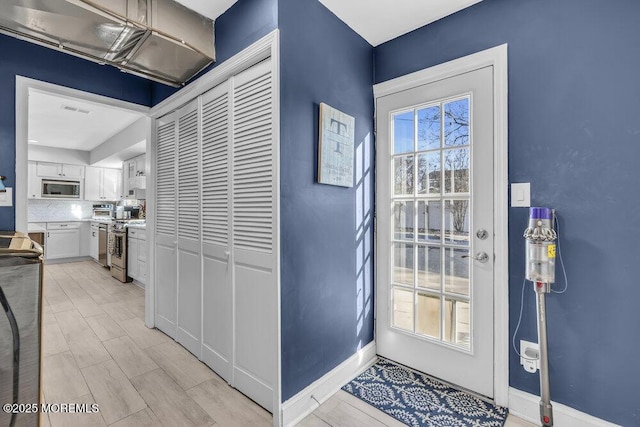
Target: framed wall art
x=335, y=147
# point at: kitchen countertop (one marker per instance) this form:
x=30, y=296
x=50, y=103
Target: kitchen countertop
x=138, y=226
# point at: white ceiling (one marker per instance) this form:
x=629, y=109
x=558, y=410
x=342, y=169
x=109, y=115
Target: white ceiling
x=378, y=21
x=209, y=8
x=53, y=126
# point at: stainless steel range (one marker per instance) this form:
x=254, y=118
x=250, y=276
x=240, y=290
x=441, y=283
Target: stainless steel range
x=118, y=250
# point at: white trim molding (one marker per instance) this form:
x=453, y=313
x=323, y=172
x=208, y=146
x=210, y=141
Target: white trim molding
x=495, y=57
x=306, y=401
x=527, y=406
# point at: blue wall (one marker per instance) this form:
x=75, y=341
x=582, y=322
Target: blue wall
x=326, y=237
x=574, y=133
x=241, y=25
x=29, y=60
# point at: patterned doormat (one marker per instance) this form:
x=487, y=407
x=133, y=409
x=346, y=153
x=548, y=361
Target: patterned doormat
x=418, y=400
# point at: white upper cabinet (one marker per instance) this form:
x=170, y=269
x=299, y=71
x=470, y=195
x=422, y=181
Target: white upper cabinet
x=111, y=184
x=92, y=183
x=34, y=182
x=102, y=184
x=60, y=170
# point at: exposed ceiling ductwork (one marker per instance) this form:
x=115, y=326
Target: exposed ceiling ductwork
x=157, y=39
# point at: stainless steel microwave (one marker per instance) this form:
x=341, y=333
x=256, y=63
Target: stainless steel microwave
x=53, y=188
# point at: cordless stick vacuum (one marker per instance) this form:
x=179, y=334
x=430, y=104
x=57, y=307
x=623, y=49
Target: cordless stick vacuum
x=540, y=269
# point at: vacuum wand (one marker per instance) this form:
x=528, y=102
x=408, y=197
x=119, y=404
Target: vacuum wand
x=540, y=269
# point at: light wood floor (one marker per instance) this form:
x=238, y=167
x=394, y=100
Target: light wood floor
x=98, y=350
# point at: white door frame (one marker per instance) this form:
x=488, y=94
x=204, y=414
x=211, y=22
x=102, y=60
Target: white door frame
x=23, y=86
x=496, y=57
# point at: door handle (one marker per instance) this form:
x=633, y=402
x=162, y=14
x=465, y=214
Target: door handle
x=480, y=257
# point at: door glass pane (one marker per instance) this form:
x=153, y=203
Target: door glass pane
x=456, y=271
x=429, y=219
x=429, y=128
x=429, y=173
x=456, y=122
x=456, y=170
x=431, y=225
x=456, y=222
x=429, y=267
x=403, y=132
x=428, y=321
x=403, y=309
x=403, y=264
x=403, y=220
x=403, y=175
x=456, y=323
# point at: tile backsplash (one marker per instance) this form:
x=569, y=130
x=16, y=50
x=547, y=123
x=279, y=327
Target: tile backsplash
x=59, y=210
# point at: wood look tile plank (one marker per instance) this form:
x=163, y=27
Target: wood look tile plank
x=227, y=406
x=370, y=410
x=83, y=342
x=144, y=418
x=54, y=341
x=180, y=365
x=513, y=421
x=73, y=325
x=118, y=311
x=345, y=415
x=87, y=307
x=143, y=336
x=312, y=421
x=88, y=351
x=131, y=359
x=62, y=379
x=88, y=418
x=105, y=327
x=112, y=391
x=169, y=402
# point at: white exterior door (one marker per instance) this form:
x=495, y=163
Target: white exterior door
x=435, y=264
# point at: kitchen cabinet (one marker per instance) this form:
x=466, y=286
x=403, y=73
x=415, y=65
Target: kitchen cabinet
x=102, y=184
x=60, y=170
x=33, y=184
x=134, y=177
x=63, y=240
x=137, y=254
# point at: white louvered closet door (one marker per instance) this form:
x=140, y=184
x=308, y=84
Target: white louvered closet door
x=188, y=220
x=254, y=239
x=217, y=319
x=165, y=246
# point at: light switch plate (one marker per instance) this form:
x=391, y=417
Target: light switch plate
x=6, y=197
x=521, y=195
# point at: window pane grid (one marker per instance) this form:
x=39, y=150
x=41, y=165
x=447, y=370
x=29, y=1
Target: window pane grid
x=430, y=232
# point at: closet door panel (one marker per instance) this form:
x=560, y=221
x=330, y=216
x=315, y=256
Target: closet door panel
x=188, y=220
x=217, y=318
x=254, y=222
x=166, y=202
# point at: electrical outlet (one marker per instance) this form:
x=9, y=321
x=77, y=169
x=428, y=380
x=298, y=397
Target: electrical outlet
x=529, y=356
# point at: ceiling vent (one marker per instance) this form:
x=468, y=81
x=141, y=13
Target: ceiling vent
x=156, y=39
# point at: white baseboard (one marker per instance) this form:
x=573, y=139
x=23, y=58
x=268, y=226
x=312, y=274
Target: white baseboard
x=527, y=406
x=302, y=404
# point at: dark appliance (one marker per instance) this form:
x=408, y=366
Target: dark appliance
x=20, y=326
